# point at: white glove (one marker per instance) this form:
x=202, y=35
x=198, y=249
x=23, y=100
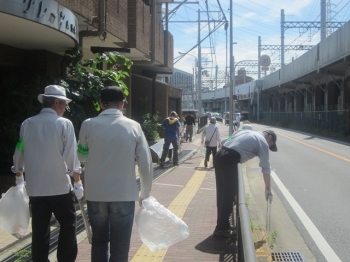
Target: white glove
x=19, y=180
x=78, y=190
x=268, y=195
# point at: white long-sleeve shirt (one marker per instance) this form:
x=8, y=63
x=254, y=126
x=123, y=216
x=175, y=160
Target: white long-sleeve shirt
x=46, y=152
x=208, y=134
x=250, y=144
x=109, y=144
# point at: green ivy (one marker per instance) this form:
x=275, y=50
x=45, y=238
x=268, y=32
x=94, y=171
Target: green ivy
x=150, y=126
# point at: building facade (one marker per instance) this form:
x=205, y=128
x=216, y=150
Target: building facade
x=37, y=33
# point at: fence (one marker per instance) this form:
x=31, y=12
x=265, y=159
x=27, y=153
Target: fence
x=245, y=243
x=321, y=121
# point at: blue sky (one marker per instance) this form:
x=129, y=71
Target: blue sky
x=251, y=18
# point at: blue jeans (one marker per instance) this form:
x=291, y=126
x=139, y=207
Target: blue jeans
x=111, y=223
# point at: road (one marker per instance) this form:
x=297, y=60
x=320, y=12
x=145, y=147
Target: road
x=312, y=180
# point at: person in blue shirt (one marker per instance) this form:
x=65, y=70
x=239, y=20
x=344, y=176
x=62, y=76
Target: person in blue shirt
x=171, y=136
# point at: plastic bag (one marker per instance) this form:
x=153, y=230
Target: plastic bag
x=14, y=211
x=203, y=150
x=158, y=227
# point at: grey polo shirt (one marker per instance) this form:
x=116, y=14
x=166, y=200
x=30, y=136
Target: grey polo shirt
x=109, y=144
x=250, y=144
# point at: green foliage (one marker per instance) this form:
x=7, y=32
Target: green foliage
x=25, y=253
x=85, y=80
x=271, y=238
x=252, y=225
x=150, y=126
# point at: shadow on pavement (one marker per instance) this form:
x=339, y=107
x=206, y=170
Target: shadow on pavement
x=225, y=247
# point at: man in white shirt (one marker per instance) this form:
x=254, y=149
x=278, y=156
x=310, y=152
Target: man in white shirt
x=239, y=148
x=46, y=153
x=212, y=134
x=110, y=144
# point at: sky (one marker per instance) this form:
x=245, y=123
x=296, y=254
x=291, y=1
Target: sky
x=250, y=19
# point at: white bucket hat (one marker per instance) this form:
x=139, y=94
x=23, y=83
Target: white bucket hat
x=54, y=91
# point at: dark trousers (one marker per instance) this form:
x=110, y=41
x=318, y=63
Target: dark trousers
x=189, y=132
x=166, y=150
x=62, y=206
x=226, y=176
x=211, y=150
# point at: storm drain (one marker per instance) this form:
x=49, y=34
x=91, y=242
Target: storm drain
x=287, y=257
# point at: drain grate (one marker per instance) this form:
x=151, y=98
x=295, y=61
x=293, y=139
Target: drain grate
x=287, y=257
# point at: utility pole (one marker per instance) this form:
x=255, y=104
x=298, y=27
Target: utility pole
x=232, y=71
x=199, y=66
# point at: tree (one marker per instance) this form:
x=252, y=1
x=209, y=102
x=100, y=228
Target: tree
x=85, y=79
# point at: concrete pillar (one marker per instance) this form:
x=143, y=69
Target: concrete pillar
x=326, y=98
x=286, y=103
x=313, y=99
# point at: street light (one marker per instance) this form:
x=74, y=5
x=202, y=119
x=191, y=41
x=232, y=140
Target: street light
x=196, y=75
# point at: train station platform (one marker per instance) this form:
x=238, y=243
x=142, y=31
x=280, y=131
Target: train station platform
x=189, y=191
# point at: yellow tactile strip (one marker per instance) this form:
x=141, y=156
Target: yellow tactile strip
x=178, y=206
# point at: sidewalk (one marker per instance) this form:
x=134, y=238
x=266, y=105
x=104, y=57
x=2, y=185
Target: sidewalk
x=189, y=191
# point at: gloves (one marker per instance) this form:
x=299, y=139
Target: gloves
x=78, y=190
x=19, y=180
x=268, y=195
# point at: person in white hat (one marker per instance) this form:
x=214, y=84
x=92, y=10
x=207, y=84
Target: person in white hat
x=46, y=154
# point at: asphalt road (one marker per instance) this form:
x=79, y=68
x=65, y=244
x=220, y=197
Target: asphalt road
x=312, y=180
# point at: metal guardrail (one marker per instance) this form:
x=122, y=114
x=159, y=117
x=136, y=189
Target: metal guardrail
x=245, y=243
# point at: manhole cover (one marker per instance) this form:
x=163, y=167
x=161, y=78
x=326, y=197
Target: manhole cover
x=287, y=257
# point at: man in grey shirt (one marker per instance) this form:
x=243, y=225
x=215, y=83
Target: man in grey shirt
x=239, y=148
x=110, y=144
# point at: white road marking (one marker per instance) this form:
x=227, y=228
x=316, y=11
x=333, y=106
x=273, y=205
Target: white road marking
x=321, y=243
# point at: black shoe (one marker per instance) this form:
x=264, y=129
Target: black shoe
x=205, y=163
x=175, y=164
x=224, y=233
x=161, y=164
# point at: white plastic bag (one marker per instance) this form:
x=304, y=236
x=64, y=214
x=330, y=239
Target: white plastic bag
x=158, y=227
x=203, y=150
x=14, y=211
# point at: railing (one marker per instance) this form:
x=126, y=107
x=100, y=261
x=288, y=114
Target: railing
x=330, y=121
x=245, y=243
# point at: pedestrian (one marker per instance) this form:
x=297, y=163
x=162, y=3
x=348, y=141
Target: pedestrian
x=237, y=121
x=109, y=145
x=227, y=118
x=46, y=154
x=211, y=133
x=172, y=136
x=239, y=148
x=190, y=123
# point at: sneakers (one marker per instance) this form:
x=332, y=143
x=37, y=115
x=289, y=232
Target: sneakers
x=224, y=233
x=205, y=163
